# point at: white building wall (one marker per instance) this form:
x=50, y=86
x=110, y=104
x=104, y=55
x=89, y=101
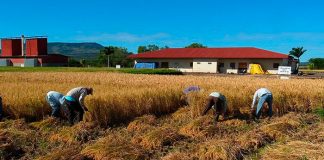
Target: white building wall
x=205, y=65
x=212, y=65
x=266, y=64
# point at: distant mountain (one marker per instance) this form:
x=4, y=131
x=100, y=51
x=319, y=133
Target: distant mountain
x=88, y=51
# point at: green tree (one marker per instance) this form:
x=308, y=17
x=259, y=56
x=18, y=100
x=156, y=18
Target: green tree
x=105, y=55
x=196, y=45
x=117, y=56
x=141, y=49
x=165, y=47
x=316, y=63
x=74, y=63
x=148, y=48
x=297, y=53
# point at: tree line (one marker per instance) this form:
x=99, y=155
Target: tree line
x=118, y=56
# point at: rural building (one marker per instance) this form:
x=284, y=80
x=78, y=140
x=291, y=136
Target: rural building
x=35, y=54
x=211, y=60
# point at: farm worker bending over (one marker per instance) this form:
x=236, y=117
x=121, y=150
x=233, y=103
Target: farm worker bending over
x=218, y=102
x=1, y=114
x=187, y=91
x=55, y=100
x=262, y=95
x=74, y=102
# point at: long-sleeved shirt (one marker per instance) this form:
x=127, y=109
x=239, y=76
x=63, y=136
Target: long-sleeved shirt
x=258, y=94
x=221, y=98
x=55, y=97
x=78, y=94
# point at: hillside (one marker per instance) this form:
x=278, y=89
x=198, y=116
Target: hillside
x=75, y=50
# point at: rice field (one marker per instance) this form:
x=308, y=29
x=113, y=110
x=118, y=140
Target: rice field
x=144, y=117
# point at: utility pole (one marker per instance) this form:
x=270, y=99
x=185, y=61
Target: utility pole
x=108, y=61
x=22, y=45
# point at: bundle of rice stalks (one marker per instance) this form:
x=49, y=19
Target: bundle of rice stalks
x=114, y=146
x=200, y=127
x=251, y=141
x=19, y=124
x=16, y=139
x=282, y=126
x=234, y=125
x=295, y=150
x=68, y=153
x=181, y=116
x=79, y=133
x=313, y=133
x=217, y=150
x=197, y=103
x=159, y=137
x=176, y=156
x=47, y=124
x=142, y=124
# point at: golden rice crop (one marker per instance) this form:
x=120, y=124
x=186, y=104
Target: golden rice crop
x=120, y=97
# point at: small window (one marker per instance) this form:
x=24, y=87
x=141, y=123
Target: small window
x=232, y=65
x=221, y=64
x=276, y=65
x=191, y=64
x=198, y=62
x=164, y=64
x=209, y=62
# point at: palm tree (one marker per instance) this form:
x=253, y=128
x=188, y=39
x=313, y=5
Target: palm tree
x=297, y=53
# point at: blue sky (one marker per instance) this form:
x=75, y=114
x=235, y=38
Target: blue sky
x=276, y=25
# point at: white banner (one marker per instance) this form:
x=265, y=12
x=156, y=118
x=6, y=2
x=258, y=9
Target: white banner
x=286, y=70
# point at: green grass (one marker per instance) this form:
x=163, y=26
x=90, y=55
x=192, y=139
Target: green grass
x=320, y=112
x=90, y=69
x=152, y=71
x=314, y=71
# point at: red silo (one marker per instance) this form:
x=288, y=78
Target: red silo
x=11, y=47
x=36, y=46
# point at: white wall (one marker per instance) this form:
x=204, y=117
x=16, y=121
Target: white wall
x=205, y=65
x=266, y=64
x=210, y=65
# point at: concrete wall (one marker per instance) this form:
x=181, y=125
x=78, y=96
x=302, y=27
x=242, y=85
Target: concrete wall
x=181, y=64
x=205, y=65
x=267, y=64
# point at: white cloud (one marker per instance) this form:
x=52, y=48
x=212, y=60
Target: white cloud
x=274, y=36
x=122, y=37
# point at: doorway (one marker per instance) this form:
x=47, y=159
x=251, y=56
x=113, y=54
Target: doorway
x=243, y=67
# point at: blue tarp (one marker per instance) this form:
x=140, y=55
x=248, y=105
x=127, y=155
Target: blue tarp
x=145, y=65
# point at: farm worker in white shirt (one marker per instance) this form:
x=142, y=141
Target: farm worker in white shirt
x=55, y=100
x=217, y=101
x=262, y=95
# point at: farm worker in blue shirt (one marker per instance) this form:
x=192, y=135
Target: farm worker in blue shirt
x=1, y=114
x=55, y=100
x=74, y=103
x=217, y=101
x=187, y=91
x=262, y=95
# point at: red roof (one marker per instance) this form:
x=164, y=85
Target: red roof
x=230, y=53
